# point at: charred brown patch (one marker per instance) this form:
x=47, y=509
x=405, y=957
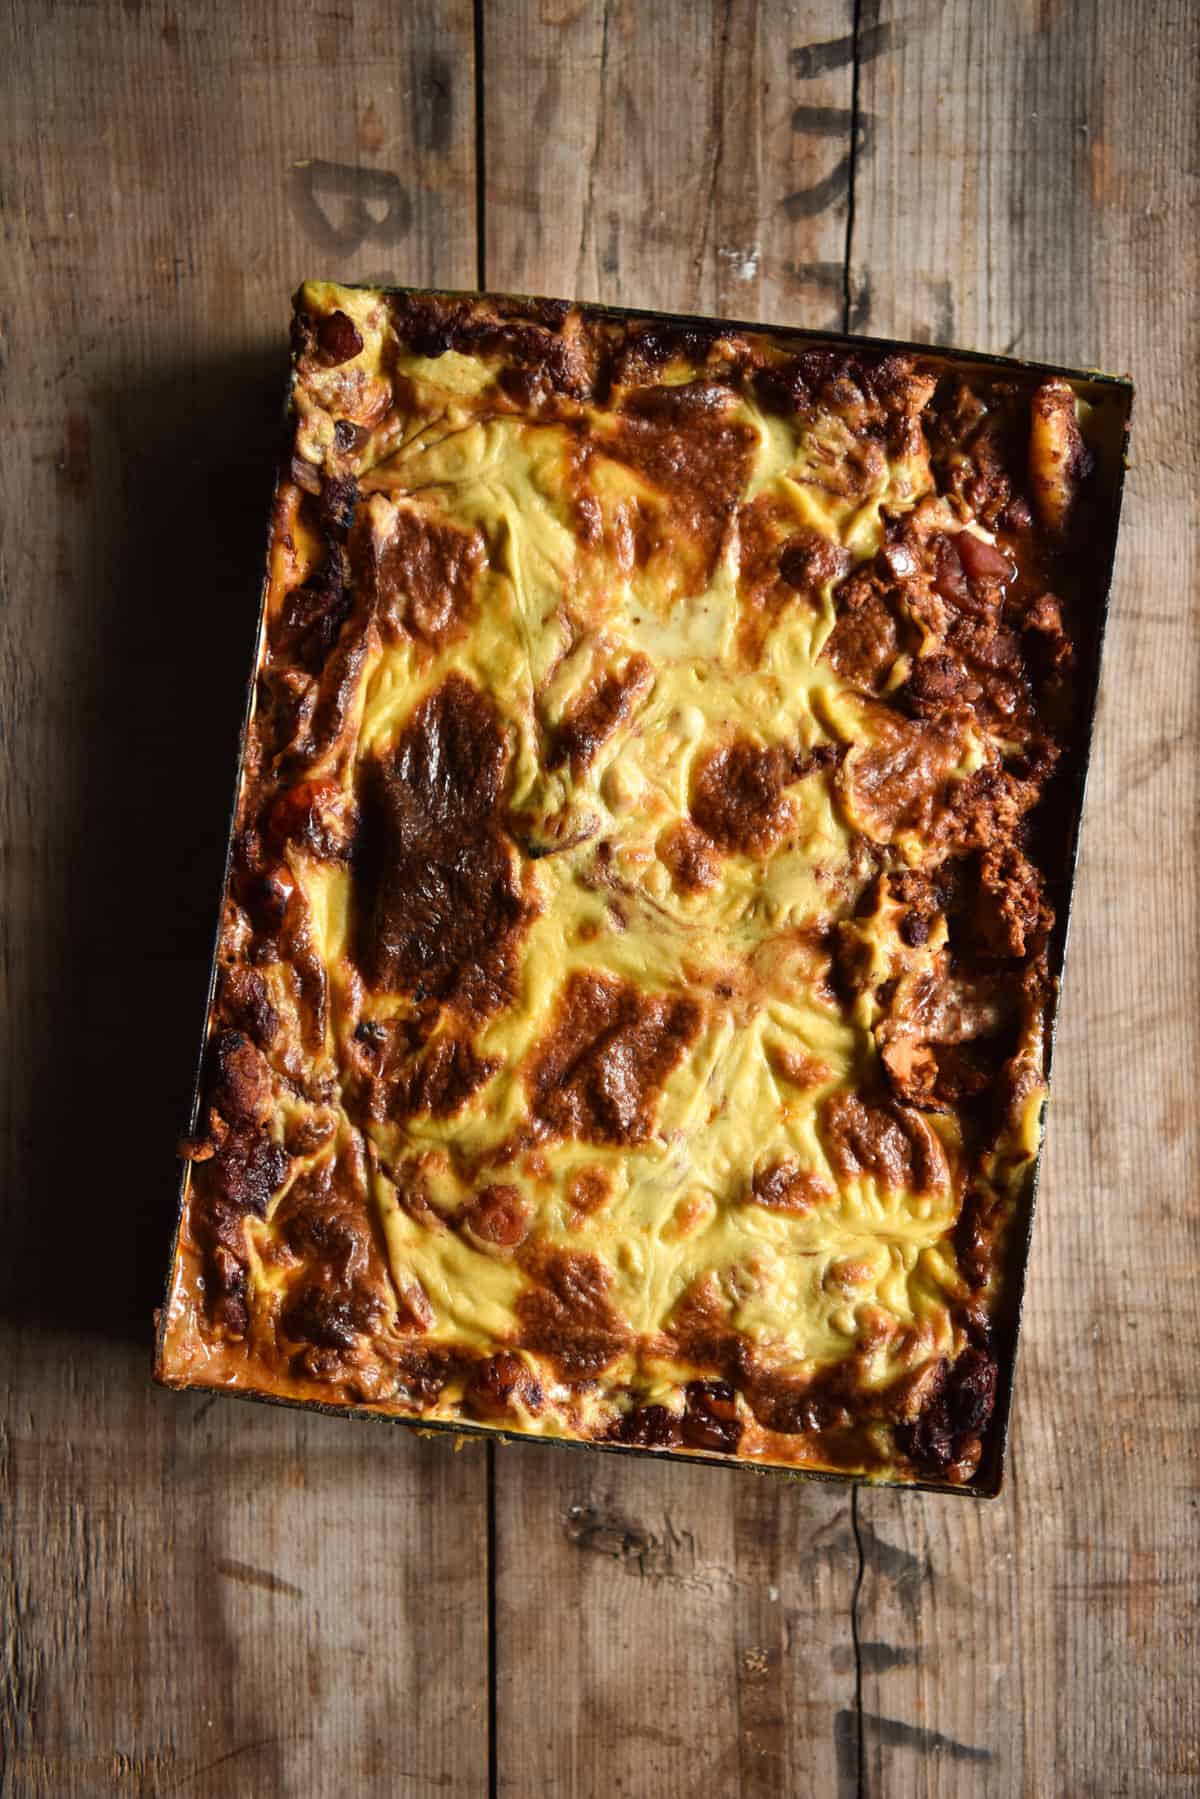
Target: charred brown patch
x=648, y=1427
x=244, y=1004
x=823, y=1405
x=965, y=1070
x=329, y=1319
x=738, y=798
x=566, y=1314
x=923, y=901
x=442, y=911
x=975, y=1236
x=901, y=779
x=339, y=686
x=430, y=324
x=438, y=1077
x=737, y=792
x=911, y=1068
x=310, y=619
x=779, y=561
x=239, y=1179
x=542, y=339
x=938, y=683
x=808, y=560
x=975, y=439
x=599, y=1073
x=501, y=1384
x=247, y=1169
x=299, y=947
x=828, y=1403
x=286, y=705
x=699, y=1330
x=335, y=504
x=498, y=1216
x=322, y=1221
x=895, y=1147
x=796, y=1066
x=424, y=574
x=240, y=1083
x=789, y=1187
x=319, y=1222
x=423, y=1371
x=682, y=443
x=989, y=806
x=1010, y=916
x=596, y=714
x=946, y=1437
x=689, y=857
x=790, y=384
x=864, y=641
x=710, y=1417
x=411, y=1184
x=647, y=345
x=588, y=1190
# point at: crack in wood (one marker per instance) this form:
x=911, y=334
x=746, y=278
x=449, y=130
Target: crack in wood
x=848, y=307
x=717, y=114
x=250, y=1576
x=493, y=1654
x=480, y=147
x=856, y=1642
x=593, y=165
x=220, y=1761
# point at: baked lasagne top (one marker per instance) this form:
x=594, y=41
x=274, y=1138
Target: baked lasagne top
x=633, y=971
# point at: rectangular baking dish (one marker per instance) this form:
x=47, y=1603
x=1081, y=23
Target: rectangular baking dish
x=1112, y=396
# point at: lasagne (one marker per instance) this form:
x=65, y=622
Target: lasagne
x=634, y=970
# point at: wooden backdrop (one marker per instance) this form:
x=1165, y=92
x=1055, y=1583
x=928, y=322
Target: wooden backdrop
x=207, y=1598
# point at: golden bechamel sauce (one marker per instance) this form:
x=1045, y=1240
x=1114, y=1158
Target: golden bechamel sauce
x=868, y=1272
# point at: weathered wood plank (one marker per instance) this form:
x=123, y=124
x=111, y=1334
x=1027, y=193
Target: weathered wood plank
x=1032, y=167
x=694, y=157
x=695, y=1625
x=214, y=1599
x=224, y=1600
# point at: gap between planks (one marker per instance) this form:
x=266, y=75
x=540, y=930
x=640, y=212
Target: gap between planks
x=854, y=1735
x=493, y=1769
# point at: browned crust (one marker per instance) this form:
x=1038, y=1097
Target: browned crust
x=444, y=907
x=597, y=1075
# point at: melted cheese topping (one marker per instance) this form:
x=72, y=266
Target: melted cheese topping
x=563, y=1062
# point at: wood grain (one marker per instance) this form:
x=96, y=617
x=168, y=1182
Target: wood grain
x=219, y=1600
x=1046, y=160
x=215, y=1600
x=692, y=1625
x=696, y=1625
x=694, y=157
